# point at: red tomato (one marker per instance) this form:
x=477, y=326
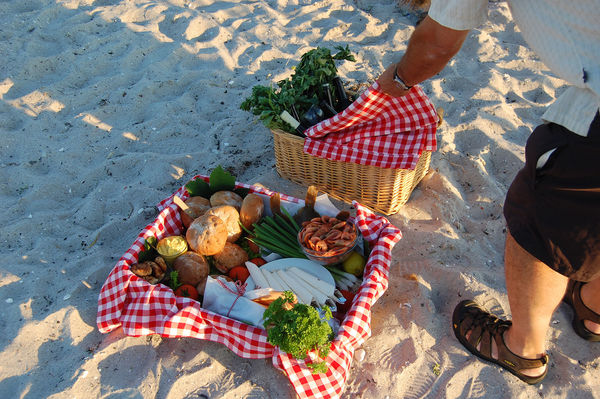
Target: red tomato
x=253, y=247
x=239, y=273
x=188, y=291
x=258, y=261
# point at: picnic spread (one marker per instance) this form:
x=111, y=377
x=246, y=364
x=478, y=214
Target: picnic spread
x=273, y=276
x=141, y=308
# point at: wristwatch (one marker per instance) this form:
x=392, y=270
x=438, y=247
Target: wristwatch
x=399, y=80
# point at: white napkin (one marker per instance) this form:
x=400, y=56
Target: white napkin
x=223, y=297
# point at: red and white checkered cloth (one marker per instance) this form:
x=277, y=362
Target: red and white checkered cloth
x=377, y=130
x=141, y=308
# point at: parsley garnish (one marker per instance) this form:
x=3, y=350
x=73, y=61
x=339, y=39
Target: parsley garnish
x=298, y=329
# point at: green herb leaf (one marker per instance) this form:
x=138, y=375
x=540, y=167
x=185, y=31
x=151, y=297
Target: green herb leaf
x=149, y=252
x=319, y=367
x=198, y=188
x=243, y=242
x=174, y=282
x=212, y=268
x=221, y=180
x=344, y=53
x=150, y=243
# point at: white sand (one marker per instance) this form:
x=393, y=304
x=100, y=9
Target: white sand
x=108, y=106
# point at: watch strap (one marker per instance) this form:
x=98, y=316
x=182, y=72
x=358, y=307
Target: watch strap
x=399, y=81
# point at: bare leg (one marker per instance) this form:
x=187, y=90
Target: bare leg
x=534, y=292
x=590, y=295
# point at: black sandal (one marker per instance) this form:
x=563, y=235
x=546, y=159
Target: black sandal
x=581, y=312
x=468, y=316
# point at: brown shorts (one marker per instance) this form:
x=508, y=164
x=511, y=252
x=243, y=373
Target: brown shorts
x=554, y=212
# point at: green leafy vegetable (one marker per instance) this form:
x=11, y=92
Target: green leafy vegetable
x=298, y=329
x=198, y=188
x=243, y=242
x=277, y=234
x=149, y=252
x=219, y=180
x=303, y=89
x=174, y=282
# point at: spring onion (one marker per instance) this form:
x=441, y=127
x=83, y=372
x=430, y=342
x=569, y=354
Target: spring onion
x=277, y=234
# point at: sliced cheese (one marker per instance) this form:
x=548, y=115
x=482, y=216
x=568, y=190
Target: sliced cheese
x=271, y=281
x=318, y=296
x=316, y=282
x=303, y=295
x=257, y=275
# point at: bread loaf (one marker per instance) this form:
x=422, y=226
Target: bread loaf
x=268, y=299
x=252, y=210
x=231, y=256
x=197, y=207
x=191, y=268
x=226, y=198
x=207, y=235
x=231, y=217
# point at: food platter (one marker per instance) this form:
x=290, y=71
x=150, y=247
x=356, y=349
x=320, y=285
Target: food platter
x=303, y=264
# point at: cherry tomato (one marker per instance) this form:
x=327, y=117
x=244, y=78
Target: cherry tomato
x=253, y=247
x=188, y=291
x=240, y=273
x=258, y=261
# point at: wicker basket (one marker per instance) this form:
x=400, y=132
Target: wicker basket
x=383, y=190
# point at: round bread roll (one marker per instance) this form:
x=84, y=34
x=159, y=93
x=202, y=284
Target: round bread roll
x=207, y=235
x=231, y=217
x=252, y=210
x=226, y=198
x=197, y=207
x=191, y=268
x=231, y=256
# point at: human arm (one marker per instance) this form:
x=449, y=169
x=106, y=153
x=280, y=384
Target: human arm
x=430, y=47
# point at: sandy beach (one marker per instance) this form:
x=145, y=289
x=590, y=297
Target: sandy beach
x=109, y=106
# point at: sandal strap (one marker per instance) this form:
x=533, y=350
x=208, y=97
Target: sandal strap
x=581, y=310
x=517, y=362
x=486, y=328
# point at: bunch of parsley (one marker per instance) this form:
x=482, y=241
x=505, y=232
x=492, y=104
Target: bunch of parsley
x=298, y=329
x=301, y=90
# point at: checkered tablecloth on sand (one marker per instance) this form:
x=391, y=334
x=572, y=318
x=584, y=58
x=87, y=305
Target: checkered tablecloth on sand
x=377, y=130
x=142, y=309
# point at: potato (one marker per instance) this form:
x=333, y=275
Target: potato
x=191, y=268
x=252, y=210
x=226, y=198
x=231, y=217
x=207, y=235
x=231, y=256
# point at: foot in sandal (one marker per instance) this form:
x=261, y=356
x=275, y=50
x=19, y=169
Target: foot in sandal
x=586, y=322
x=482, y=334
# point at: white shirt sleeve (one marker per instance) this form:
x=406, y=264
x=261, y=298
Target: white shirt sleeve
x=459, y=14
